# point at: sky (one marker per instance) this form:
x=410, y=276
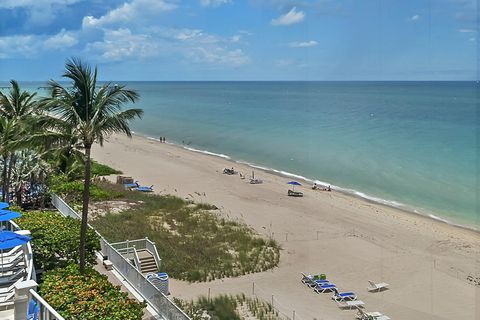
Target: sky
x=241, y=40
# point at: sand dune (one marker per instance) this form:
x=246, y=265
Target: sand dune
x=426, y=262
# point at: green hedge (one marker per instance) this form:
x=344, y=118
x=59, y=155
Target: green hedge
x=88, y=297
x=99, y=170
x=72, y=191
x=56, y=239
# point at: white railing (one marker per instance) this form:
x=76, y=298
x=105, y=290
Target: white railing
x=139, y=244
x=162, y=305
x=155, y=298
x=28, y=252
x=46, y=311
x=152, y=248
x=136, y=258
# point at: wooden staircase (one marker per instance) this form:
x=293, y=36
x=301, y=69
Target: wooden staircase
x=147, y=262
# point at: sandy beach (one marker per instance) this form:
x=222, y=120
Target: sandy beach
x=426, y=262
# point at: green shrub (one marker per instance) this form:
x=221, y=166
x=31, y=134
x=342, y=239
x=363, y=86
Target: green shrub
x=88, y=297
x=72, y=191
x=99, y=170
x=56, y=239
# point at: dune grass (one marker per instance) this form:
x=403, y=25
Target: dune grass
x=195, y=242
x=229, y=307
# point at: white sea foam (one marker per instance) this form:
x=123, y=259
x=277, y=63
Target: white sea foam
x=224, y=156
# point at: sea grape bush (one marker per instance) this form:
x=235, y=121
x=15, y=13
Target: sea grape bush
x=88, y=297
x=55, y=239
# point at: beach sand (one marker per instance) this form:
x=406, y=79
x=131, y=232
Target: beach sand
x=426, y=262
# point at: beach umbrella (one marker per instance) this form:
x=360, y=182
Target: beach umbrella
x=6, y=215
x=3, y=205
x=9, y=239
x=294, y=183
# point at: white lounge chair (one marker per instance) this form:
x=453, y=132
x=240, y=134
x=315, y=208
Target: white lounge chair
x=375, y=287
x=362, y=315
x=350, y=304
x=306, y=278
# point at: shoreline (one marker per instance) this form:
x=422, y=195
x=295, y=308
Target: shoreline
x=345, y=191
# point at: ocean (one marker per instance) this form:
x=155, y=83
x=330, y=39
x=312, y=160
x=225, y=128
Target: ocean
x=408, y=144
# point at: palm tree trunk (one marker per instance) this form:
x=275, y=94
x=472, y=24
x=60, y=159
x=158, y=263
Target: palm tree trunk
x=86, y=198
x=4, y=177
x=19, y=195
x=42, y=196
x=11, y=164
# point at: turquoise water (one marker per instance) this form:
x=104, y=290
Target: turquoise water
x=410, y=143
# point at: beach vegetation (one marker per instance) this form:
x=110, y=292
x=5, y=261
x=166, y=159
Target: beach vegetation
x=83, y=114
x=196, y=243
x=102, y=170
x=88, y=295
x=56, y=239
x=229, y=307
x=20, y=117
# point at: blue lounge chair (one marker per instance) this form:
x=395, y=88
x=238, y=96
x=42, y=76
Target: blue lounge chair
x=33, y=311
x=144, y=189
x=344, y=296
x=318, y=283
x=325, y=288
x=131, y=185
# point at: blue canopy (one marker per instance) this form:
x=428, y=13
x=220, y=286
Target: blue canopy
x=6, y=215
x=294, y=183
x=3, y=205
x=9, y=239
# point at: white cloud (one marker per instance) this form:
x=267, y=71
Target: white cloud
x=467, y=30
x=122, y=44
x=61, y=40
x=304, y=44
x=291, y=17
x=190, y=45
x=30, y=46
x=187, y=34
x=236, y=38
x=219, y=56
x=38, y=12
x=129, y=12
x=131, y=32
x=214, y=3
x=415, y=17
x=473, y=39
x=19, y=45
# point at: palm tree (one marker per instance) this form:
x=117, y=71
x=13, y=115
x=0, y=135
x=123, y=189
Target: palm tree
x=91, y=114
x=8, y=133
x=19, y=109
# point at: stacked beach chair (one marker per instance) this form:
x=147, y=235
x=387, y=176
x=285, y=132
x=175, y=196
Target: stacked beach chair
x=345, y=299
